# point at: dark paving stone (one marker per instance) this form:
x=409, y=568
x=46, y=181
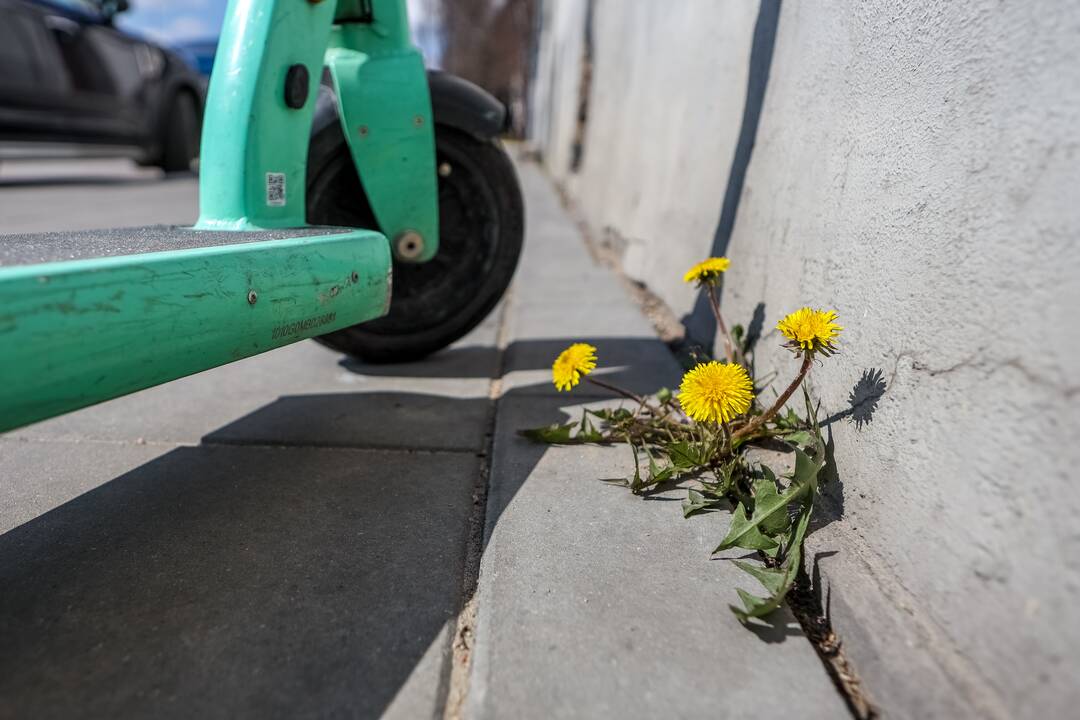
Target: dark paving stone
x=232, y=582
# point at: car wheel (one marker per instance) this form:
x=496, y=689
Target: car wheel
x=181, y=140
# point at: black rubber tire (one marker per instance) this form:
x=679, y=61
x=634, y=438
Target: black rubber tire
x=180, y=143
x=481, y=226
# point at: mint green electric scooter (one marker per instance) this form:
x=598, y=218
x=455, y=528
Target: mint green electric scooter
x=345, y=194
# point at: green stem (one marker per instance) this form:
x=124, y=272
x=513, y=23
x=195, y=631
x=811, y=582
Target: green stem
x=617, y=390
x=808, y=359
x=727, y=438
x=729, y=347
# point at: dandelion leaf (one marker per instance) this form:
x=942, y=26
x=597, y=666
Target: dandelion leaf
x=696, y=501
x=806, y=470
x=745, y=534
x=789, y=420
x=687, y=455
x=765, y=494
x=755, y=606
x=564, y=433
x=658, y=474
x=778, y=581
x=771, y=578
x=611, y=415
x=588, y=432
x=635, y=484
x=799, y=437
x=555, y=434
x=744, y=531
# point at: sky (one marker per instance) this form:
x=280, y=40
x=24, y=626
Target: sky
x=174, y=21
x=178, y=21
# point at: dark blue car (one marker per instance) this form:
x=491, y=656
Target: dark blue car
x=72, y=84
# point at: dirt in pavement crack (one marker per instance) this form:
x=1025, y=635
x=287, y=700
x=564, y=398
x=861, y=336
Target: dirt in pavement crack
x=805, y=604
x=457, y=680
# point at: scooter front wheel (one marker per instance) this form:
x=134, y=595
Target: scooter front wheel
x=481, y=224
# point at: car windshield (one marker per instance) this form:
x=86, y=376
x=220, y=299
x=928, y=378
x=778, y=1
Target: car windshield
x=83, y=7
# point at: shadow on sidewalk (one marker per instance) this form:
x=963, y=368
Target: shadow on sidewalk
x=479, y=361
x=219, y=581
x=278, y=569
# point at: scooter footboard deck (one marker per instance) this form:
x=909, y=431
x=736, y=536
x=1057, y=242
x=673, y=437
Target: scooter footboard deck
x=89, y=316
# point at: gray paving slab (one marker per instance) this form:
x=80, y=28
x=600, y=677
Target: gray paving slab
x=305, y=394
x=637, y=363
x=595, y=603
x=53, y=484
x=221, y=581
x=561, y=296
x=142, y=579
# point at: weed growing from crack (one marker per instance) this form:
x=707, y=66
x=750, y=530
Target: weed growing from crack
x=698, y=439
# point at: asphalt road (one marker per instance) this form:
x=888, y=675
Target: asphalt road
x=88, y=194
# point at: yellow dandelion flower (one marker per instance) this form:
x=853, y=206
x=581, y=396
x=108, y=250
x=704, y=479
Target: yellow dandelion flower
x=707, y=271
x=811, y=330
x=716, y=392
x=575, y=361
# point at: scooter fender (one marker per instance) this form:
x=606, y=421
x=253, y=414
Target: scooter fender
x=390, y=135
x=386, y=117
x=460, y=104
x=455, y=102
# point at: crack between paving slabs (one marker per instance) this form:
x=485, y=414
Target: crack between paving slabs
x=454, y=683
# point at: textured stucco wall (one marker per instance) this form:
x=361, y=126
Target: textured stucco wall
x=557, y=81
x=916, y=168
x=664, y=112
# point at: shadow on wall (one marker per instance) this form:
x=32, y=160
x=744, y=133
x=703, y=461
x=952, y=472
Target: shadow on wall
x=862, y=404
x=862, y=400
x=755, y=328
x=577, y=150
x=700, y=324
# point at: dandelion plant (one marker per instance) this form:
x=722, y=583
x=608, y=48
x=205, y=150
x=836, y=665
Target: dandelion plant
x=699, y=438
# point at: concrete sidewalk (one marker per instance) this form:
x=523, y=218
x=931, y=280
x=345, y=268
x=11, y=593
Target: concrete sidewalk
x=290, y=536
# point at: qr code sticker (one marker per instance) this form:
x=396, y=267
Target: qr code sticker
x=275, y=189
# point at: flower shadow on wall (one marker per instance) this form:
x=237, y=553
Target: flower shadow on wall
x=862, y=404
x=862, y=400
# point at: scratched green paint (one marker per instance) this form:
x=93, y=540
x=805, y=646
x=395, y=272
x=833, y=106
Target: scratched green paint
x=250, y=135
x=385, y=110
x=77, y=333
x=386, y=118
